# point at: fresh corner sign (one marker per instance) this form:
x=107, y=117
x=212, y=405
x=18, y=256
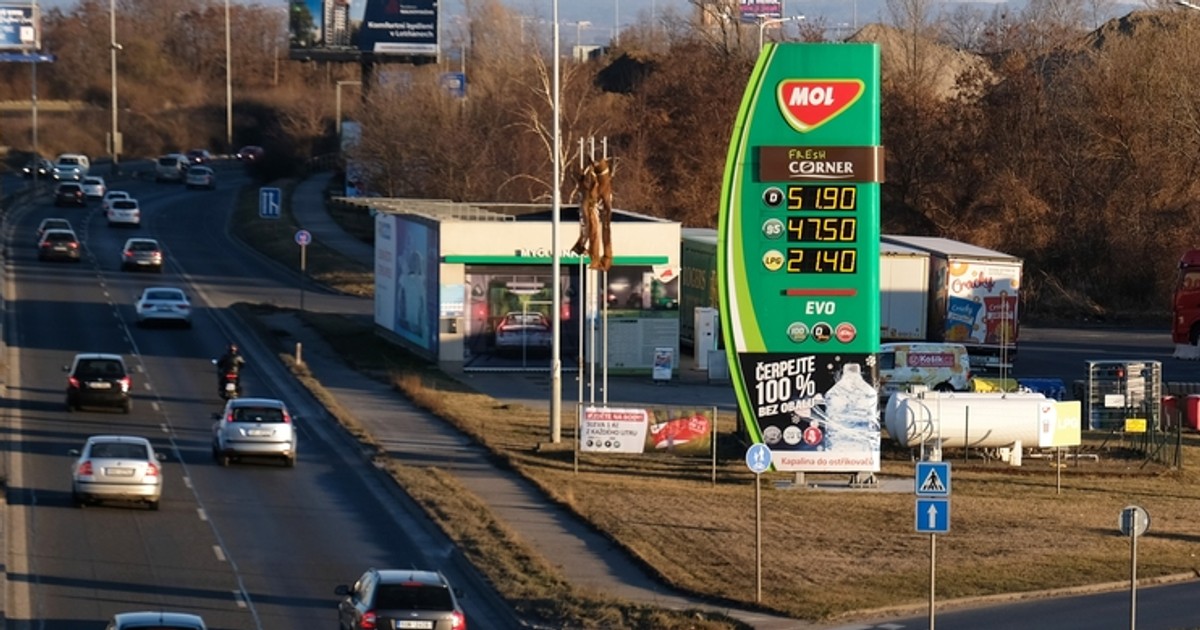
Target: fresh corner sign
x=798, y=255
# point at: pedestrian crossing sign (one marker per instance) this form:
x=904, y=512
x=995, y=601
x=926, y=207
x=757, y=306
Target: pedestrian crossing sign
x=933, y=479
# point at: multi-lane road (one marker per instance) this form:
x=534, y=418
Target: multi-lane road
x=255, y=545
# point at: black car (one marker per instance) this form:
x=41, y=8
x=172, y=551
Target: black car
x=250, y=153
x=199, y=156
x=69, y=194
x=59, y=245
x=95, y=379
x=41, y=166
x=400, y=598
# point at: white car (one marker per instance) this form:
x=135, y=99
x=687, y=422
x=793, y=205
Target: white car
x=255, y=427
x=117, y=467
x=111, y=196
x=124, y=212
x=93, y=187
x=200, y=177
x=142, y=620
x=168, y=305
x=70, y=166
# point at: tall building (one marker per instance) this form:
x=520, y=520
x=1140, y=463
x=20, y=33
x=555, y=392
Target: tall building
x=337, y=23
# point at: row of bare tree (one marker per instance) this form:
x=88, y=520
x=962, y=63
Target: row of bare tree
x=1072, y=146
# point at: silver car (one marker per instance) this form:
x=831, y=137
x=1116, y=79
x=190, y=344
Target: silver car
x=93, y=187
x=254, y=427
x=153, y=620
x=168, y=305
x=117, y=467
x=123, y=212
x=142, y=253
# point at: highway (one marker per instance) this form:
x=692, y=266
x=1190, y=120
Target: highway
x=255, y=545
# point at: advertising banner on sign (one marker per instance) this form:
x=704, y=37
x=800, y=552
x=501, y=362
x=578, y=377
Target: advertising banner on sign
x=19, y=27
x=345, y=30
x=646, y=430
x=755, y=11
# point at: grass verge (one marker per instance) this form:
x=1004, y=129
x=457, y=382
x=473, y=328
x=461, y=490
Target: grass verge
x=827, y=555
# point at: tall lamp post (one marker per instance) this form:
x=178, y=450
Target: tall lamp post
x=338, y=109
x=555, y=263
x=763, y=24
x=1185, y=3
x=228, y=84
x=113, y=47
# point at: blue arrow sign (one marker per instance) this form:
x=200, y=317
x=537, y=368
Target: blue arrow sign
x=933, y=479
x=933, y=516
x=758, y=458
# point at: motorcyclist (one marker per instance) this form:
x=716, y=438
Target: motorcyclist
x=230, y=362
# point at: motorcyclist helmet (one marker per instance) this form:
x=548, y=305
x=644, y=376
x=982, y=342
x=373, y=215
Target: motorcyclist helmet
x=233, y=349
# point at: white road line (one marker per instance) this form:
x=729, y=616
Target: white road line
x=187, y=481
x=154, y=406
x=146, y=385
x=237, y=597
x=201, y=513
x=164, y=428
x=220, y=553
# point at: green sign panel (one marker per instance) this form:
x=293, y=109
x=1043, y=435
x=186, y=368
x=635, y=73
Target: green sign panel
x=798, y=255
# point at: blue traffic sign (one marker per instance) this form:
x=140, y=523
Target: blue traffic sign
x=933, y=516
x=269, y=202
x=933, y=479
x=758, y=458
x=303, y=237
x=27, y=58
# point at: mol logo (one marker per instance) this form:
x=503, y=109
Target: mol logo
x=809, y=103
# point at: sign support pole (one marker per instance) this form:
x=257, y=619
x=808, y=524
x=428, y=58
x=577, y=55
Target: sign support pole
x=932, y=578
x=303, y=264
x=1133, y=536
x=758, y=539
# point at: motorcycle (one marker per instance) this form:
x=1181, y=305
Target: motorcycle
x=230, y=385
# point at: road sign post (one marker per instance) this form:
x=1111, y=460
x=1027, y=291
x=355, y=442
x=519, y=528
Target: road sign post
x=1134, y=522
x=931, y=483
x=758, y=460
x=303, y=238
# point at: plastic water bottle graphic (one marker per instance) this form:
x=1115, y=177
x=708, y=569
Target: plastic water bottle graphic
x=851, y=412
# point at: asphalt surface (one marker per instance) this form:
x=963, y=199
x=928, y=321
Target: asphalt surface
x=255, y=545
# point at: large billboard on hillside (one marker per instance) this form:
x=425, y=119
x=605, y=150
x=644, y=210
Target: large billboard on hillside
x=19, y=28
x=348, y=30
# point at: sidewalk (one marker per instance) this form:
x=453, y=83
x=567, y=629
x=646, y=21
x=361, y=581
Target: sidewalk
x=586, y=558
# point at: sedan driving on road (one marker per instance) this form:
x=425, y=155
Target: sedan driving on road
x=98, y=379
x=167, y=305
x=59, y=245
x=124, y=212
x=69, y=194
x=400, y=598
x=154, y=620
x=52, y=223
x=200, y=177
x=118, y=468
x=255, y=427
x=142, y=253
x=93, y=187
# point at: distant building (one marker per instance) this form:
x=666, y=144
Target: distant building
x=337, y=23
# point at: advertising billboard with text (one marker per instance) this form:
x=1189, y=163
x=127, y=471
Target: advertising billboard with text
x=347, y=30
x=19, y=28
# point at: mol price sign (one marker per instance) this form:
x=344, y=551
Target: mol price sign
x=798, y=255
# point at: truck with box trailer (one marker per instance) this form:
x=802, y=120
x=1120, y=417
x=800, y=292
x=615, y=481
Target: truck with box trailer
x=972, y=294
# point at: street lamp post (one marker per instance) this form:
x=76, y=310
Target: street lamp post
x=113, y=47
x=228, y=84
x=555, y=263
x=338, y=109
x=1185, y=3
x=763, y=24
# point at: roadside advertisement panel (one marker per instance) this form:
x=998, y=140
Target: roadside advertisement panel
x=344, y=30
x=755, y=11
x=19, y=27
x=406, y=279
x=678, y=431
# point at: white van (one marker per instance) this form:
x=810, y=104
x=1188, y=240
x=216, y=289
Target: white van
x=943, y=367
x=171, y=167
x=70, y=167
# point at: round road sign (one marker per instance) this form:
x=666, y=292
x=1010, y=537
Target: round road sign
x=758, y=458
x=1134, y=521
x=303, y=237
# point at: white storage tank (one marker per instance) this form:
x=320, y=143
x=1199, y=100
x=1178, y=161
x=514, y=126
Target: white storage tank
x=958, y=420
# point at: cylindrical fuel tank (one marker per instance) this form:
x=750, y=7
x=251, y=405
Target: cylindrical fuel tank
x=958, y=420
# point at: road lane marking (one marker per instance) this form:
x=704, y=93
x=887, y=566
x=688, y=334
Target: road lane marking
x=200, y=512
x=220, y=552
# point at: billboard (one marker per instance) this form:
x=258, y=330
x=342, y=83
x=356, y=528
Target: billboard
x=347, y=30
x=755, y=11
x=406, y=279
x=19, y=28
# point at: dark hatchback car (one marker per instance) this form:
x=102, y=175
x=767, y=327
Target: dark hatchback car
x=41, y=167
x=59, y=245
x=199, y=156
x=69, y=194
x=95, y=379
x=400, y=598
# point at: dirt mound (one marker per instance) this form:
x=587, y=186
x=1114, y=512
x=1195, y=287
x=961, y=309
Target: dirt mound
x=940, y=66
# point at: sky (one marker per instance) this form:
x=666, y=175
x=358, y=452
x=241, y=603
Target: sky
x=593, y=20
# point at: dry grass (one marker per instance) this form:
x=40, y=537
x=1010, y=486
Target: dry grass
x=827, y=555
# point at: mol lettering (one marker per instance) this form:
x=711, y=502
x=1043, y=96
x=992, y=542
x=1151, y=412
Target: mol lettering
x=818, y=95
